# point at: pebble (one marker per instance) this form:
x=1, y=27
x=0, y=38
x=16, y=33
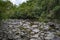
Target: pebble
x=13, y=30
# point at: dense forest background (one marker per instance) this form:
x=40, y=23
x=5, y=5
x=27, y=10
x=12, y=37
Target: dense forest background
x=42, y=10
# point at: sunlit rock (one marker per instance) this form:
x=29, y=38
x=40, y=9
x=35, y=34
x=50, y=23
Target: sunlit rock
x=33, y=39
x=35, y=30
x=33, y=26
x=29, y=30
x=46, y=27
x=49, y=36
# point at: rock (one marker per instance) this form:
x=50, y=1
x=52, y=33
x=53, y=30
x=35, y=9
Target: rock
x=10, y=26
x=28, y=23
x=56, y=38
x=35, y=30
x=33, y=39
x=21, y=23
x=4, y=39
x=36, y=23
x=26, y=26
x=41, y=26
x=16, y=36
x=34, y=26
x=28, y=30
x=32, y=33
x=46, y=27
x=36, y=35
x=49, y=36
x=42, y=34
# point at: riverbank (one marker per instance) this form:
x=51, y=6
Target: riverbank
x=21, y=29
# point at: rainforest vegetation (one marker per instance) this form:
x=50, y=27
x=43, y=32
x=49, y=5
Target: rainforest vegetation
x=42, y=10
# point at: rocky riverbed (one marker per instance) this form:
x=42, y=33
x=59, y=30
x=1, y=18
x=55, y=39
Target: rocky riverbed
x=14, y=29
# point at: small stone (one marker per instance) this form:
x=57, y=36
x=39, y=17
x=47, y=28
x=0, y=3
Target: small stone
x=21, y=23
x=35, y=30
x=32, y=32
x=49, y=35
x=36, y=23
x=14, y=30
x=26, y=26
x=10, y=25
x=46, y=27
x=42, y=33
x=36, y=35
x=16, y=36
x=10, y=31
x=33, y=39
x=41, y=26
x=27, y=22
x=33, y=26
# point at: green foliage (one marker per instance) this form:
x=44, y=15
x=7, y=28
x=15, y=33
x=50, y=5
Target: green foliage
x=57, y=12
x=6, y=9
x=43, y=10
